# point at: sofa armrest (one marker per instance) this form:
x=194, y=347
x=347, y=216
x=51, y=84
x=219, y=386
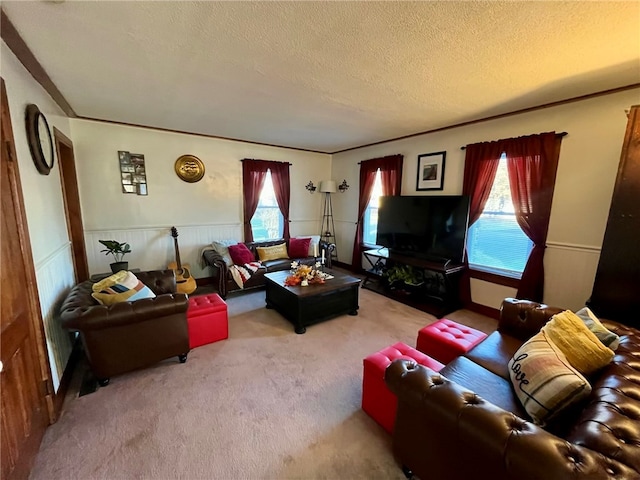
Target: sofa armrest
x=446, y=431
x=522, y=319
x=219, y=270
x=98, y=317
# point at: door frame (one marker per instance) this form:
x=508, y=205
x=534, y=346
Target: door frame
x=72, y=207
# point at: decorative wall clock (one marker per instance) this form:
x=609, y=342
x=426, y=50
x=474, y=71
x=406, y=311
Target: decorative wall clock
x=39, y=139
x=189, y=168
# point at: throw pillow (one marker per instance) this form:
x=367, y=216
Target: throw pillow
x=240, y=254
x=607, y=337
x=581, y=347
x=299, y=247
x=544, y=380
x=222, y=249
x=272, y=253
x=120, y=287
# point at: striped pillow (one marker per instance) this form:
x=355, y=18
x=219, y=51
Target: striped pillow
x=120, y=287
x=543, y=379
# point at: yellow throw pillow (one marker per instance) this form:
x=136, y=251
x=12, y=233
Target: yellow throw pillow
x=120, y=287
x=581, y=347
x=272, y=253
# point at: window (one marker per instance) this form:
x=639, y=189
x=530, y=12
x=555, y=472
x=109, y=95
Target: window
x=370, y=226
x=267, y=223
x=495, y=242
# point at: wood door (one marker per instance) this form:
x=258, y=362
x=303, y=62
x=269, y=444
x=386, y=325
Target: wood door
x=25, y=381
x=616, y=288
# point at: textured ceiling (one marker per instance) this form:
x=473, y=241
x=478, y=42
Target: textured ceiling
x=325, y=76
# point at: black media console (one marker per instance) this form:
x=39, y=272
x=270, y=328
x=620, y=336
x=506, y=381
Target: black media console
x=438, y=291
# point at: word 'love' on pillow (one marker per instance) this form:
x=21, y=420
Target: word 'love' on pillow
x=544, y=380
x=299, y=247
x=240, y=254
x=120, y=287
x=272, y=253
x=581, y=347
x=606, y=336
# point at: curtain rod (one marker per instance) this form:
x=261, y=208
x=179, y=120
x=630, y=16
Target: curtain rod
x=561, y=134
x=256, y=160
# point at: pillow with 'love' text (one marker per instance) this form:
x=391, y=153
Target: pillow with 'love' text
x=544, y=380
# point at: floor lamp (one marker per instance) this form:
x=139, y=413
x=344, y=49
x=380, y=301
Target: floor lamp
x=328, y=231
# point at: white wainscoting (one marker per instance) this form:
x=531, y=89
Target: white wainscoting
x=152, y=248
x=55, y=277
x=570, y=271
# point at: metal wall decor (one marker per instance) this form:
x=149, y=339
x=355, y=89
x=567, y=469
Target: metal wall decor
x=39, y=139
x=189, y=168
x=133, y=173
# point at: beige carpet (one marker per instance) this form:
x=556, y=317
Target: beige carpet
x=264, y=404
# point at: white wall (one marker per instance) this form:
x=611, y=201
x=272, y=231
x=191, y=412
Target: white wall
x=208, y=210
x=586, y=174
x=43, y=205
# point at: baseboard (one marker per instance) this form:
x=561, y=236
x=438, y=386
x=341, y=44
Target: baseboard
x=483, y=310
x=65, y=381
x=346, y=266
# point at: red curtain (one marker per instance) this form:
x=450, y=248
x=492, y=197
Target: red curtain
x=391, y=176
x=480, y=166
x=253, y=174
x=282, y=188
x=532, y=163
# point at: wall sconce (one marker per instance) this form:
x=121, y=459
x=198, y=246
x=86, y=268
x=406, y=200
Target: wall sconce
x=310, y=186
x=343, y=187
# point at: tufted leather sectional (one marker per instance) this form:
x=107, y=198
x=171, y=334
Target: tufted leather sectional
x=225, y=283
x=466, y=422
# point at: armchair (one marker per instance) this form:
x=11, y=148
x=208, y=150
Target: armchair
x=129, y=335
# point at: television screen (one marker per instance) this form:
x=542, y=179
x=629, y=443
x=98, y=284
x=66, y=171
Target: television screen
x=431, y=227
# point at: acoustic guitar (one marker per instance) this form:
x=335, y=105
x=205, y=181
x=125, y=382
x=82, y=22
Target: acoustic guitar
x=184, y=280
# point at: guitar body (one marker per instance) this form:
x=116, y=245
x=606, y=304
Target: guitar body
x=185, y=283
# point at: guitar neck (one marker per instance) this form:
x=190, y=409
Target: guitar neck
x=175, y=244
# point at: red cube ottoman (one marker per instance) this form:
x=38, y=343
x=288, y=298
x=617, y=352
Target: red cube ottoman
x=377, y=400
x=207, y=320
x=445, y=339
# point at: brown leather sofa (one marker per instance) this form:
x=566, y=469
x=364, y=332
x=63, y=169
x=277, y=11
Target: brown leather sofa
x=466, y=422
x=225, y=283
x=129, y=335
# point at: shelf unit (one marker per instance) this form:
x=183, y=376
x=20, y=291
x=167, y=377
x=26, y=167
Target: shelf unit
x=437, y=295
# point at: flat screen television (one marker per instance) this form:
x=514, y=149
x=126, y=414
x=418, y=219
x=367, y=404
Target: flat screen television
x=429, y=227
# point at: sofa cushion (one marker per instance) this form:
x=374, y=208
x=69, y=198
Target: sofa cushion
x=544, y=380
x=488, y=385
x=240, y=254
x=274, y=252
x=494, y=353
x=299, y=247
x=222, y=249
x=606, y=337
x=581, y=347
x=123, y=286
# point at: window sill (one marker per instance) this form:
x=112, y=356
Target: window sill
x=494, y=278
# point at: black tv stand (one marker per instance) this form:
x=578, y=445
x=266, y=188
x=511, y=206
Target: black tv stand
x=438, y=294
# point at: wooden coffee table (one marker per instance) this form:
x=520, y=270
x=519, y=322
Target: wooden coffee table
x=304, y=306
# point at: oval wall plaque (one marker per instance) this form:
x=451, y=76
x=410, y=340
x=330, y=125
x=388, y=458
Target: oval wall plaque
x=189, y=168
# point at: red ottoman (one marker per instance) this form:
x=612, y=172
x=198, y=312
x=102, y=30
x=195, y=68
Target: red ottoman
x=377, y=400
x=207, y=320
x=446, y=340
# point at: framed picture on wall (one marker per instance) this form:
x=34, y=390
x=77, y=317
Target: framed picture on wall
x=431, y=171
